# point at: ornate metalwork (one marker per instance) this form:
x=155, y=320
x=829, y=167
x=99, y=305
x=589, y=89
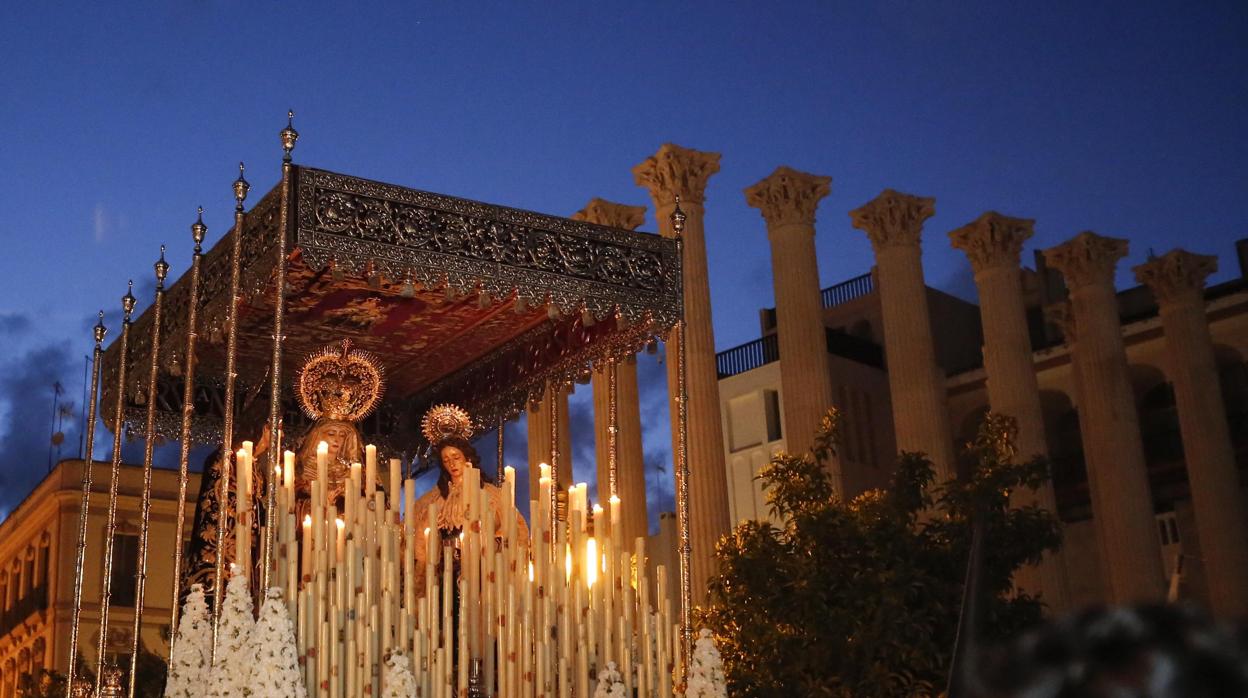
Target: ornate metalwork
x=186, y=411
x=367, y=226
x=98, y=332
x=583, y=273
x=149, y=443
x=227, y=428
x=106, y=579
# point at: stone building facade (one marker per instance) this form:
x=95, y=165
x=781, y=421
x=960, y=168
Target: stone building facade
x=38, y=550
x=1062, y=391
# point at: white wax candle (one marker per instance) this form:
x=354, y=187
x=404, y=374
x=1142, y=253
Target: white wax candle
x=370, y=461
x=396, y=488
x=288, y=472
x=306, y=544
x=322, y=463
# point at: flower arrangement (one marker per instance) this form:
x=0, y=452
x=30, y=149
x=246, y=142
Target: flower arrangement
x=397, y=680
x=706, y=673
x=610, y=683
x=228, y=678
x=191, y=649
x=274, y=658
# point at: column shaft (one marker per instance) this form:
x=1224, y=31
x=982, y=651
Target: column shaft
x=539, y=440
x=1177, y=279
x=915, y=382
x=675, y=171
x=894, y=221
x=630, y=464
x=993, y=243
x=1113, y=449
x=788, y=199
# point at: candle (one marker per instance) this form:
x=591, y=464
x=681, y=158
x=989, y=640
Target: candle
x=396, y=487
x=370, y=460
x=288, y=472
x=340, y=544
x=306, y=552
x=322, y=462
x=355, y=480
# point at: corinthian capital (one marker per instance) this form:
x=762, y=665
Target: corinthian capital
x=893, y=219
x=993, y=240
x=788, y=196
x=1087, y=259
x=1177, y=276
x=676, y=171
x=608, y=213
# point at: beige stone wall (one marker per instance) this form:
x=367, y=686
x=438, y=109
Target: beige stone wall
x=50, y=514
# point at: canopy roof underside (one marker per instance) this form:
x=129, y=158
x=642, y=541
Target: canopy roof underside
x=461, y=302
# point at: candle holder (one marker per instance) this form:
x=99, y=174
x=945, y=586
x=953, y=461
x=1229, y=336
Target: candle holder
x=475, y=687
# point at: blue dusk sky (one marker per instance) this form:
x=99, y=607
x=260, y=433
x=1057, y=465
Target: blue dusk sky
x=117, y=120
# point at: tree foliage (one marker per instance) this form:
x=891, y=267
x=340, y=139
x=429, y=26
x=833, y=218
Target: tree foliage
x=861, y=598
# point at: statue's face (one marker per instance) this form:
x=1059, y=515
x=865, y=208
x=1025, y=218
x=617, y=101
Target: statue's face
x=335, y=435
x=454, y=461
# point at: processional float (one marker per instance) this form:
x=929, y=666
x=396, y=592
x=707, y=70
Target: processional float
x=457, y=302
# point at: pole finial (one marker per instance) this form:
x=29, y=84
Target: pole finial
x=240, y=188
x=289, y=135
x=162, y=270
x=678, y=218
x=128, y=301
x=100, y=330
x=199, y=231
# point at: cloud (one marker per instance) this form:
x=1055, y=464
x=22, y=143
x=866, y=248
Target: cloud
x=99, y=222
x=13, y=324
x=26, y=426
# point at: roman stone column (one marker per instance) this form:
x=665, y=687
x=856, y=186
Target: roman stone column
x=993, y=243
x=539, y=439
x=1177, y=279
x=675, y=171
x=1123, y=510
x=630, y=483
x=787, y=200
x=894, y=221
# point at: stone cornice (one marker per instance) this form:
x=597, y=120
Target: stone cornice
x=788, y=196
x=675, y=170
x=1087, y=259
x=608, y=213
x=893, y=219
x=993, y=240
x=1177, y=276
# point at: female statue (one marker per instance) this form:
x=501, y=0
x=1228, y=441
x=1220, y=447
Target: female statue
x=448, y=427
x=337, y=387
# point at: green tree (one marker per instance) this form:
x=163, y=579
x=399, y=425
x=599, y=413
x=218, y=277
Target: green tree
x=862, y=598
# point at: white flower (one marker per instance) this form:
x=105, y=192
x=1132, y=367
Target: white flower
x=610, y=683
x=274, y=661
x=397, y=679
x=228, y=678
x=192, y=648
x=706, y=671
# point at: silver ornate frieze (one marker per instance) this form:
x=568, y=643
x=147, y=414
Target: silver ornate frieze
x=435, y=240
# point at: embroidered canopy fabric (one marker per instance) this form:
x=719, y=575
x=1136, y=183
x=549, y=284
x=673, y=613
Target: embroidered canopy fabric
x=463, y=302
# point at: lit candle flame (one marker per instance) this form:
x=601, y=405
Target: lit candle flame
x=307, y=520
x=341, y=524
x=591, y=562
